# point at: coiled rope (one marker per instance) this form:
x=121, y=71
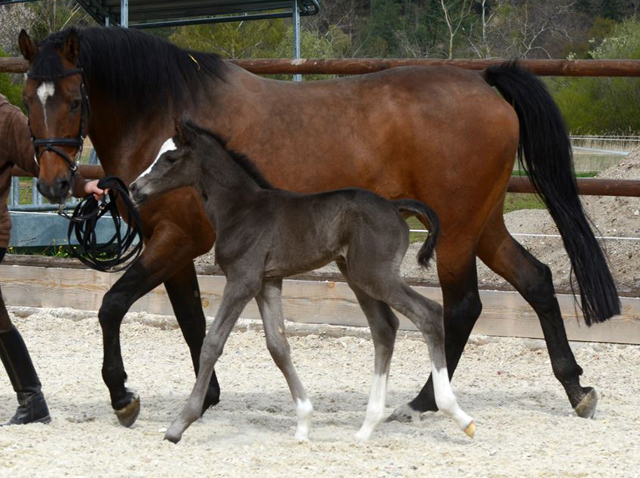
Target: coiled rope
x=121, y=250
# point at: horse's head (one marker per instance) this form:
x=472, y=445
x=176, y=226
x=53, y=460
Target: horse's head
x=58, y=109
x=177, y=165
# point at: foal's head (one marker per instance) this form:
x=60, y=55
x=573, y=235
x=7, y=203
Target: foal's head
x=177, y=164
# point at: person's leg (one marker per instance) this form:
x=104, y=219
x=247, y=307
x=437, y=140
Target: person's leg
x=24, y=379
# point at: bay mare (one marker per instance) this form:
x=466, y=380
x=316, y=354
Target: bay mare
x=441, y=135
x=265, y=235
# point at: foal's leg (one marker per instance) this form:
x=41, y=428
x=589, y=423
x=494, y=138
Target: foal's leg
x=184, y=294
x=500, y=251
x=270, y=304
x=384, y=326
x=235, y=297
x=462, y=307
x=426, y=314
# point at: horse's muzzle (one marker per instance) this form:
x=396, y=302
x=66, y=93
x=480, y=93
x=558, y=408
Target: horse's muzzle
x=57, y=191
x=138, y=197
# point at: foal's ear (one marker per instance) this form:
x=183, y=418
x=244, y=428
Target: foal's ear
x=71, y=48
x=28, y=47
x=177, y=123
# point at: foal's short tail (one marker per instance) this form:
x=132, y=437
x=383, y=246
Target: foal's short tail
x=421, y=210
x=545, y=153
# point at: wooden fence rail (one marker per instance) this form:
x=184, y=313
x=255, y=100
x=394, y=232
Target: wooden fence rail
x=352, y=66
x=356, y=66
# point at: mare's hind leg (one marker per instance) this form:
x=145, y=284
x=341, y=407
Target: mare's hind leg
x=427, y=317
x=384, y=327
x=500, y=251
x=270, y=304
x=184, y=294
x=235, y=297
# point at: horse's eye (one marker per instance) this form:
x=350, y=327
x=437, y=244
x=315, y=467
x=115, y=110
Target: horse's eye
x=75, y=104
x=171, y=158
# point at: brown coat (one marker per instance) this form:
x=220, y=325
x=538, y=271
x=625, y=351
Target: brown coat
x=16, y=149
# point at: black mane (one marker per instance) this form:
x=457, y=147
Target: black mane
x=137, y=69
x=247, y=165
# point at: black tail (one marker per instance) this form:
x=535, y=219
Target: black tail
x=545, y=153
x=417, y=208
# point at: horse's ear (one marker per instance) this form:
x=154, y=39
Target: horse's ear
x=71, y=48
x=28, y=47
x=179, y=131
x=187, y=133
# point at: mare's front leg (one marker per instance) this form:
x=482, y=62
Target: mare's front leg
x=237, y=293
x=270, y=304
x=157, y=263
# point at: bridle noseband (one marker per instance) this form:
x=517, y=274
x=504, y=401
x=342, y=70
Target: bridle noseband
x=41, y=145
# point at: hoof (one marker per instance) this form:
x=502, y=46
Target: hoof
x=172, y=438
x=587, y=406
x=470, y=430
x=405, y=414
x=128, y=415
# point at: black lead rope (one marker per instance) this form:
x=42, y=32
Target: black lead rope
x=121, y=250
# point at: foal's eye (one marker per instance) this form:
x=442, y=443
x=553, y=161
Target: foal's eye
x=75, y=104
x=171, y=158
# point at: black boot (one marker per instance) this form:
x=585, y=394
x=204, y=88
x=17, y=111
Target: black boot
x=15, y=357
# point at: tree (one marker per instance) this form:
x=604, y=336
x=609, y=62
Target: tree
x=12, y=19
x=604, y=105
x=261, y=39
x=10, y=88
x=56, y=15
x=454, y=13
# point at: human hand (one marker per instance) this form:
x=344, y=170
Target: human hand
x=91, y=187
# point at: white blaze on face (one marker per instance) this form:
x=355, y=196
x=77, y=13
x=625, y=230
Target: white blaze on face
x=168, y=145
x=44, y=92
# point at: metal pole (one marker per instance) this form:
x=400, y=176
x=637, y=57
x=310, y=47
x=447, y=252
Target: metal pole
x=296, y=36
x=124, y=13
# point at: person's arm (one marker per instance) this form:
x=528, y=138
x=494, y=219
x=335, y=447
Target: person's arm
x=83, y=187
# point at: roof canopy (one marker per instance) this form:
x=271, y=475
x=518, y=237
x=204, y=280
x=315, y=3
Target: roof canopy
x=158, y=13
x=155, y=13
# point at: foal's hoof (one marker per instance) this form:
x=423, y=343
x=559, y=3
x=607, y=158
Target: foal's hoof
x=173, y=439
x=404, y=413
x=587, y=406
x=471, y=429
x=128, y=415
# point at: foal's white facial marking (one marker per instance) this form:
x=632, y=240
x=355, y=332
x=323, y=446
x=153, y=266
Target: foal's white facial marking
x=44, y=92
x=168, y=145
